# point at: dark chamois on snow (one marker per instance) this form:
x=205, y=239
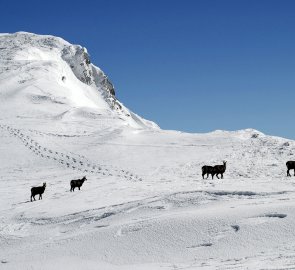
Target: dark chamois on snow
x=77, y=183
x=37, y=190
x=207, y=170
x=220, y=169
x=290, y=166
x=217, y=169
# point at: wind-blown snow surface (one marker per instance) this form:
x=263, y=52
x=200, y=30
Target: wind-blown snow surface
x=145, y=204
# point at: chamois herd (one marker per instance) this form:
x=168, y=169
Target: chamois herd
x=40, y=190
x=206, y=170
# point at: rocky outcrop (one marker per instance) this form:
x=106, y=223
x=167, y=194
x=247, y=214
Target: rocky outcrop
x=79, y=60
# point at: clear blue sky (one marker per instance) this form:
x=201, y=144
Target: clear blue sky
x=194, y=65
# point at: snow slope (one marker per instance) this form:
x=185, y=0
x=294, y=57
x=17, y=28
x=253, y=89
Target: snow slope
x=52, y=79
x=145, y=204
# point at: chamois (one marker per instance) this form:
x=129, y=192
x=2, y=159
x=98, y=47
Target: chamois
x=77, y=183
x=207, y=170
x=290, y=166
x=219, y=169
x=37, y=190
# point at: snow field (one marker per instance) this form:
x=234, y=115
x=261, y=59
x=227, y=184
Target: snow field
x=144, y=204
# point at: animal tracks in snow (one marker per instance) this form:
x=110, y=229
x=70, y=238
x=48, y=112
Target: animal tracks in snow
x=77, y=163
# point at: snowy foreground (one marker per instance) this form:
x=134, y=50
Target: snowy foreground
x=145, y=204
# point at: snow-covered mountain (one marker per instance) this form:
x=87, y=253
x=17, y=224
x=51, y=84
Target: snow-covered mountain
x=54, y=79
x=144, y=204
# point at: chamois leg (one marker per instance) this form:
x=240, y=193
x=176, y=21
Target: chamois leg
x=31, y=198
x=294, y=172
x=222, y=176
x=217, y=175
x=79, y=188
x=288, y=173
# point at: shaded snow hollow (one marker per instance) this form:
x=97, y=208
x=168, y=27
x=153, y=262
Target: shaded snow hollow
x=144, y=204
